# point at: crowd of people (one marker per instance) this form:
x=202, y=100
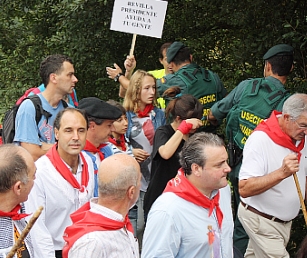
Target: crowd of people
x=149, y=176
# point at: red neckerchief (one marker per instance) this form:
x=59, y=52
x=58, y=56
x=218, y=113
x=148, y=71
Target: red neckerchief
x=13, y=214
x=121, y=142
x=182, y=187
x=91, y=148
x=85, y=221
x=61, y=167
x=272, y=129
x=146, y=110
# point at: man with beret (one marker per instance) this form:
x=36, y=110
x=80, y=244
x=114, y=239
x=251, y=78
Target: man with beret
x=245, y=107
x=64, y=182
x=192, y=79
x=101, y=116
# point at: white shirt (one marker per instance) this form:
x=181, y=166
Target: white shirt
x=179, y=228
x=59, y=200
x=105, y=244
x=262, y=156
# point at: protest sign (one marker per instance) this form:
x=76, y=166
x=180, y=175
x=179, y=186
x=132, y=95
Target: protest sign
x=142, y=17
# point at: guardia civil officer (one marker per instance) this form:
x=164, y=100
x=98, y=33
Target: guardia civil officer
x=192, y=79
x=245, y=107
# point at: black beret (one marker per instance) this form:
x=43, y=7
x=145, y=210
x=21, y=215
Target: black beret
x=97, y=108
x=173, y=50
x=281, y=49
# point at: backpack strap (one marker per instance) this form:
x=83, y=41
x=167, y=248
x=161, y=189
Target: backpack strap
x=39, y=111
x=64, y=103
x=74, y=98
x=34, y=90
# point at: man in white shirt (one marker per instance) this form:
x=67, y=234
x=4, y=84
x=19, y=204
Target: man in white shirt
x=274, y=152
x=193, y=217
x=64, y=182
x=101, y=228
x=17, y=174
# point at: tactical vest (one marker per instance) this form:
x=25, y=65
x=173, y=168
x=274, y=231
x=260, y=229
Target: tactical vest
x=201, y=83
x=258, y=100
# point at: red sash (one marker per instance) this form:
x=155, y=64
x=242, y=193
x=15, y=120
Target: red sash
x=182, y=187
x=85, y=221
x=272, y=129
x=61, y=167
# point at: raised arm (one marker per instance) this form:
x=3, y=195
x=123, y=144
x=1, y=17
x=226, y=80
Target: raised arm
x=167, y=150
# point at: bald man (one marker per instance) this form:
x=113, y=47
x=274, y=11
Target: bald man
x=17, y=174
x=101, y=228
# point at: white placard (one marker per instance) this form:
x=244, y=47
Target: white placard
x=142, y=17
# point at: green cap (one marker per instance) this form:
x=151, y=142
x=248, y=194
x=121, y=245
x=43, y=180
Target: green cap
x=281, y=49
x=173, y=50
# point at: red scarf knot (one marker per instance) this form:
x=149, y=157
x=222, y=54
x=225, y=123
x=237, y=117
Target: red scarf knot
x=61, y=167
x=121, y=142
x=272, y=128
x=146, y=110
x=182, y=187
x=91, y=148
x=13, y=214
x=85, y=221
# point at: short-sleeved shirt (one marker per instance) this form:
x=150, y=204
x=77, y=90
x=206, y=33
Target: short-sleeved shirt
x=26, y=128
x=162, y=170
x=261, y=156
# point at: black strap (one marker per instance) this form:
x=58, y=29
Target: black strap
x=278, y=93
x=269, y=90
x=255, y=82
x=187, y=75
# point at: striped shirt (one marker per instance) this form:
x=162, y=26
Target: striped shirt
x=116, y=150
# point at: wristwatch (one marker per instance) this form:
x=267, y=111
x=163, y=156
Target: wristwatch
x=117, y=77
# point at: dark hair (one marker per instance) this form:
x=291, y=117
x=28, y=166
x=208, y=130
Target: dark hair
x=52, y=64
x=97, y=121
x=193, y=151
x=13, y=167
x=171, y=93
x=118, y=105
x=185, y=106
x=183, y=55
x=58, y=118
x=281, y=64
x=164, y=47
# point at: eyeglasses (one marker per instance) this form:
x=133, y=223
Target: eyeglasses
x=302, y=127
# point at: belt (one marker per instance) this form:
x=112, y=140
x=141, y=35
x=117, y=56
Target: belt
x=250, y=208
x=58, y=253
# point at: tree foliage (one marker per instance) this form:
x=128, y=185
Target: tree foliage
x=229, y=37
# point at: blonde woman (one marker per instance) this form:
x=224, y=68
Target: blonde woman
x=143, y=120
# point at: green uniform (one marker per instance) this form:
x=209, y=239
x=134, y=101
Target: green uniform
x=203, y=84
x=244, y=108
